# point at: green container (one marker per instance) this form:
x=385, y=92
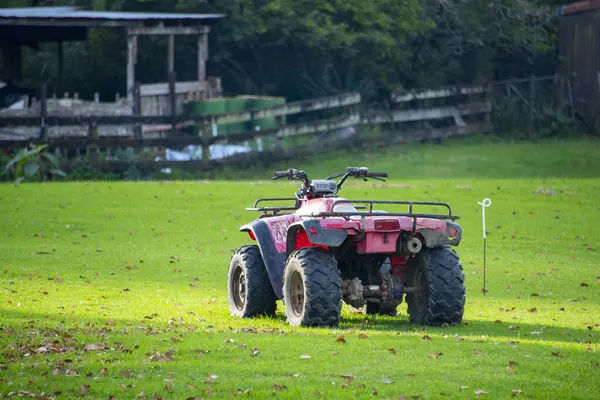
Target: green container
x=208, y=107
x=265, y=123
x=236, y=105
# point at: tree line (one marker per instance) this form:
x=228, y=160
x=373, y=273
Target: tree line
x=308, y=48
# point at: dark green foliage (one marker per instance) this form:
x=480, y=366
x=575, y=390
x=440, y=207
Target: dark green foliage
x=34, y=164
x=305, y=49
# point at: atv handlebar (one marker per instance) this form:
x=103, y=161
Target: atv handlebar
x=283, y=174
x=377, y=175
x=355, y=172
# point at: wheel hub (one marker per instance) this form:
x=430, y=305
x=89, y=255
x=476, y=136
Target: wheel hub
x=238, y=288
x=297, y=293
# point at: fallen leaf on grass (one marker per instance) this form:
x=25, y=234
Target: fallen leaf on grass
x=516, y=393
x=104, y=372
x=511, y=371
x=279, y=387
x=555, y=353
x=583, y=284
x=348, y=376
x=341, y=339
x=534, y=295
x=84, y=390
x=94, y=347
x=393, y=351
x=427, y=337
x=513, y=327
x=513, y=363
x=127, y=373
x=363, y=336
x=532, y=309
x=435, y=355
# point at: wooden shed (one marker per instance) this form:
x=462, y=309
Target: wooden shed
x=579, y=52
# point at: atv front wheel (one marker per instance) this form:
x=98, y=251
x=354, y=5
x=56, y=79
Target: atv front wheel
x=249, y=289
x=312, y=288
x=376, y=308
x=442, y=298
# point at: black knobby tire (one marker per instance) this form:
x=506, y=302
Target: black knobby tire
x=249, y=289
x=376, y=308
x=440, y=273
x=312, y=288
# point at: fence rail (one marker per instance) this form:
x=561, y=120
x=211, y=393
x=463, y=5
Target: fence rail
x=462, y=111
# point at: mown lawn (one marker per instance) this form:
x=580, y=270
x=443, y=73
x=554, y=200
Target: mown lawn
x=119, y=289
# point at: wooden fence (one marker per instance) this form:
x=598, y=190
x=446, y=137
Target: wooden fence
x=416, y=115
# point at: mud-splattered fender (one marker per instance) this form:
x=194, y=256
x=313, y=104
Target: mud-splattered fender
x=451, y=236
x=316, y=234
x=274, y=261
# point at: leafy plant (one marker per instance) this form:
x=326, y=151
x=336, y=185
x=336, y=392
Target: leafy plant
x=34, y=164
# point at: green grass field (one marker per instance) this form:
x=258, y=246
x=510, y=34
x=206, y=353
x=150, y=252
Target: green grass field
x=119, y=289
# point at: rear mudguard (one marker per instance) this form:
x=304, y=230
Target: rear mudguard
x=436, y=239
x=316, y=234
x=274, y=261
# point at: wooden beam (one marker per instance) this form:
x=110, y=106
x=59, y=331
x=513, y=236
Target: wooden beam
x=168, y=30
x=171, y=55
x=425, y=114
x=162, y=89
x=131, y=61
x=402, y=97
x=202, y=54
x=61, y=68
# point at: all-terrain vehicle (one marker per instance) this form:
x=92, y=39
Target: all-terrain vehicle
x=322, y=249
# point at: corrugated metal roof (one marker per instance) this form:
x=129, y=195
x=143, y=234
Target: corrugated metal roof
x=70, y=13
x=579, y=7
x=34, y=11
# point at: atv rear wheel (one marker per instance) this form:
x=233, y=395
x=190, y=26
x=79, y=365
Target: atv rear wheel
x=249, y=289
x=312, y=288
x=440, y=274
x=376, y=308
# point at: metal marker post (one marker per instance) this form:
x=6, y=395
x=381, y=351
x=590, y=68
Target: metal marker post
x=484, y=204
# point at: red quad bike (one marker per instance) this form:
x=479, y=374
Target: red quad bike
x=325, y=249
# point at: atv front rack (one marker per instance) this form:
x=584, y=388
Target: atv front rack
x=371, y=213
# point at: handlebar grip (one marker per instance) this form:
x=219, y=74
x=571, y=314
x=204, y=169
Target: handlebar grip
x=282, y=174
x=378, y=174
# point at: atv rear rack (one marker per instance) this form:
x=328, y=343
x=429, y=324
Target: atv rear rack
x=273, y=210
x=372, y=213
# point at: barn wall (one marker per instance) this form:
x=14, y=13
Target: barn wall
x=579, y=49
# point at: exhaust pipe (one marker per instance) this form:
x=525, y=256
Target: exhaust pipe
x=414, y=245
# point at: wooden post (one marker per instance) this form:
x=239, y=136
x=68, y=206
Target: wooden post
x=92, y=150
x=43, y=112
x=202, y=54
x=171, y=53
x=137, y=109
x=131, y=60
x=173, y=102
x=206, y=134
x=532, y=103
x=61, y=68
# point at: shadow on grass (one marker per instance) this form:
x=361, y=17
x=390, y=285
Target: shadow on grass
x=350, y=324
